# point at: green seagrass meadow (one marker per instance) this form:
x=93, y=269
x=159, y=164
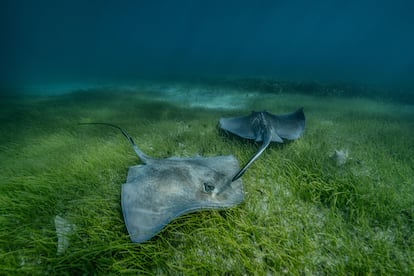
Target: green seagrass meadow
x=302, y=214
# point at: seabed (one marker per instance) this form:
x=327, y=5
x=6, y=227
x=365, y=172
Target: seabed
x=304, y=211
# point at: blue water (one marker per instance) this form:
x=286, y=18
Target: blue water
x=78, y=41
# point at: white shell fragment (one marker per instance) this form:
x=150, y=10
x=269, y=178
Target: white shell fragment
x=63, y=230
x=340, y=157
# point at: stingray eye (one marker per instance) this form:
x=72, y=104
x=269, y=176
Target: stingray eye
x=208, y=188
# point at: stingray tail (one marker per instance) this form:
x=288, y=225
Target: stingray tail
x=254, y=157
x=144, y=158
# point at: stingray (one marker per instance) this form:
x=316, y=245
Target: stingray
x=266, y=128
x=161, y=190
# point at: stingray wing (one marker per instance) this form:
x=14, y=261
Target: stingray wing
x=288, y=126
x=241, y=126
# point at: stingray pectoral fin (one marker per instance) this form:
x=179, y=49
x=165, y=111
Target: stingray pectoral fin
x=142, y=220
x=289, y=126
x=240, y=126
x=254, y=157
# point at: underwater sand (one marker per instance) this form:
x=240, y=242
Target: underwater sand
x=304, y=211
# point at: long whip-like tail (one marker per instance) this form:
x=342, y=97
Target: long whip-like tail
x=144, y=158
x=252, y=159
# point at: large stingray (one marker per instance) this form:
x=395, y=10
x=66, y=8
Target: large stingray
x=162, y=189
x=266, y=128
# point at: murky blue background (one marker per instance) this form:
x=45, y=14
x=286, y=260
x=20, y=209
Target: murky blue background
x=80, y=41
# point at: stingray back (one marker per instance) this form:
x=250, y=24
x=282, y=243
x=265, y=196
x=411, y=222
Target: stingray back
x=254, y=126
x=156, y=193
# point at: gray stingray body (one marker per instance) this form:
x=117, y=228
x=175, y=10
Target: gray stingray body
x=162, y=189
x=266, y=128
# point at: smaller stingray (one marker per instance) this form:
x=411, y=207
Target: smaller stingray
x=162, y=189
x=265, y=127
